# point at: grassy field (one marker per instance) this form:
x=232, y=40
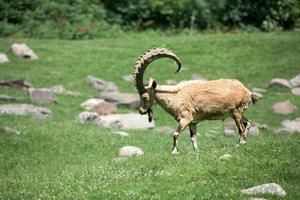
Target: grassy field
x=59, y=159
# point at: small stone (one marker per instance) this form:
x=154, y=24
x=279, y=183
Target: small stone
x=164, y=129
x=130, y=151
x=3, y=58
x=88, y=117
x=230, y=128
x=72, y=93
x=131, y=100
x=101, y=84
x=198, y=77
x=268, y=188
x=23, y=51
x=295, y=82
x=290, y=126
x=257, y=95
x=296, y=91
x=7, y=97
x=285, y=107
x=254, y=130
x=127, y=78
x=121, y=133
x=259, y=90
x=90, y=103
x=12, y=131
x=104, y=108
x=16, y=84
x=23, y=109
x=57, y=89
x=225, y=156
x=171, y=82
x=41, y=95
x=278, y=82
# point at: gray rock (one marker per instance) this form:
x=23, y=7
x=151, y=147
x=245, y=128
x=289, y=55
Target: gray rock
x=7, y=97
x=23, y=51
x=56, y=89
x=127, y=151
x=121, y=133
x=278, y=82
x=290, y=126
x=127, y=78
x=100, y=84
x=230, y=128
x=23, y=109
x=225, y=156
x=104, y=108
x=3, y=58
x=11, y=131
x=131, y=100
x=259, y=90
x=126, y=121
x=285, y=107
x=41, y=95
x=171, y=82
x=88, y=117
x=268, y=188
x=90, y=103
x=296, y=91
x=257, y=95
x=295, y=82
x=72, y=93
x=164, y=129
x=198, y=77
x=16, y=84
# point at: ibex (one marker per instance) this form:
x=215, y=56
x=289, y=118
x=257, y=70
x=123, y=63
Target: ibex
x=190, y=102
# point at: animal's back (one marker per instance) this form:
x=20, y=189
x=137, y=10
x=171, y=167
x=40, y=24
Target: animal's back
x=216, y=99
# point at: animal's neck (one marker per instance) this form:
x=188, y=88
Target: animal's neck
x=165, y=96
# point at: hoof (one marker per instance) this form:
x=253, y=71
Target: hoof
x=175, y=151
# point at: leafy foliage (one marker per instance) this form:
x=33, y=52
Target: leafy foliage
x=99, y=18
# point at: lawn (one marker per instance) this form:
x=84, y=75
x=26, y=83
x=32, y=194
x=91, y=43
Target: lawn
x=60, y=159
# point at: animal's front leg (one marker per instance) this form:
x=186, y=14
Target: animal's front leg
x=193, y=134
x=183, y=123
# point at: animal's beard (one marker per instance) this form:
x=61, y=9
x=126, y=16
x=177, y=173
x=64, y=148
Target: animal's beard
x=150, y=114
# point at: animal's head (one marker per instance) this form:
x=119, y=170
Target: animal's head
x=147, y=99
x=147, y=92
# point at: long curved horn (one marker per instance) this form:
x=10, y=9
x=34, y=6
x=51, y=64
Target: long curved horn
x=143, y=62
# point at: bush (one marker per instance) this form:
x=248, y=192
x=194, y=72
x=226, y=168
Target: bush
x=79, y=19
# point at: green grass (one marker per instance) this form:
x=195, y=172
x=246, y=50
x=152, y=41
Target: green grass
x=59, y=159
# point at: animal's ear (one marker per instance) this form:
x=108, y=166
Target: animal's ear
x=154, y=84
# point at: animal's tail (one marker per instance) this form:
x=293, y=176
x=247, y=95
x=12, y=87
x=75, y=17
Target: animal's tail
x=254, y=98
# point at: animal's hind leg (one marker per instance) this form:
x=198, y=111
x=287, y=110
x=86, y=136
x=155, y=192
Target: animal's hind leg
x=183, y=123
x=238, y=118
x=247, y=124
x=193, y=134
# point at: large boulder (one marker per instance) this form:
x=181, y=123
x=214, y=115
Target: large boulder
x=41, y=95
x=131, y=100
x=3, y=58
x=100, y=84
x=295, y=82
x=285, y=107
x=268, y=188
x=130, y=151
x=105, y=108
x=116, y=121
x=24, y=109
x=22, y=50
x=296, y=91
x=279, y=82
x=90, y=103
x=126, y=121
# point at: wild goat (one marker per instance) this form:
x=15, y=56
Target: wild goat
x=190, y=102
